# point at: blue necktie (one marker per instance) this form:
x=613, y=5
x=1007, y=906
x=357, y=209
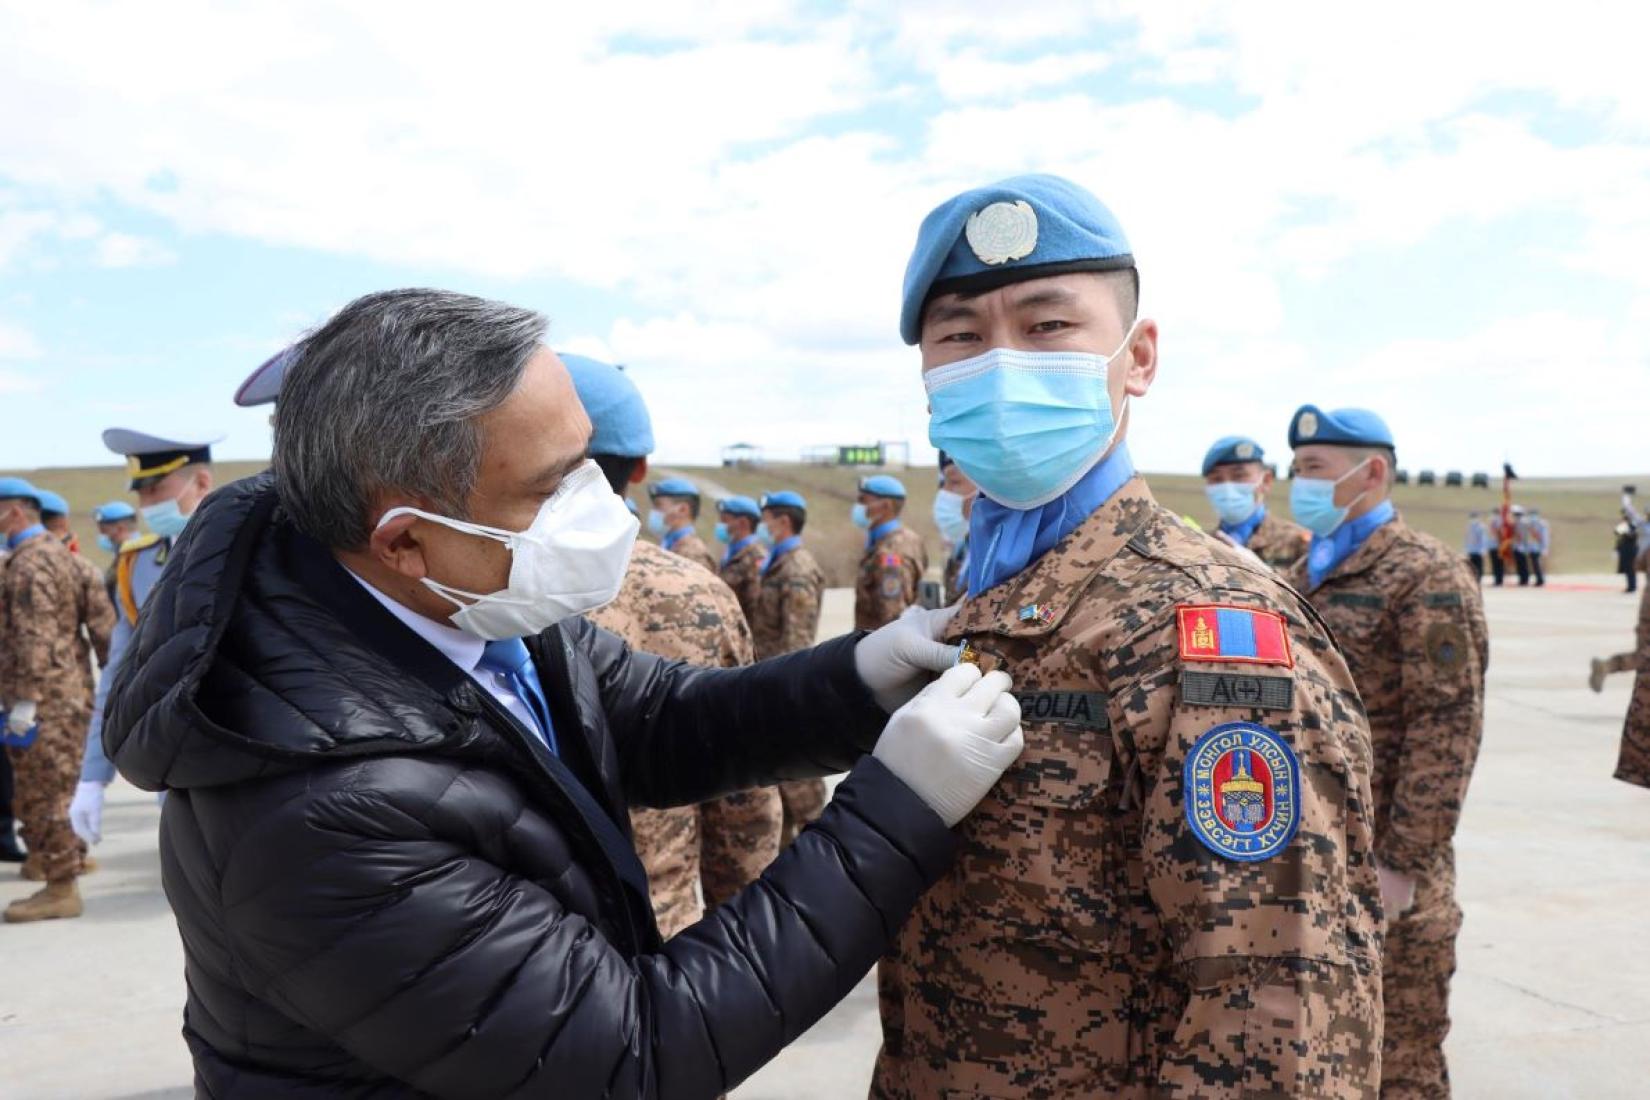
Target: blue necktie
x=509, y=658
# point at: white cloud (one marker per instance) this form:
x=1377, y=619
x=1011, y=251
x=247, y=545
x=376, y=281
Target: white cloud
x=116, y=249
x=17, y=343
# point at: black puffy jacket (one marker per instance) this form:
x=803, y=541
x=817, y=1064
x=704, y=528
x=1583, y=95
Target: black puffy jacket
x=386, y=888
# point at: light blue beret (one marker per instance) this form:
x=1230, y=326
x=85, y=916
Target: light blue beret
x=739, y=506
x=785, y=498
x=1231, y=450
x=882, y=485
x=51, y=504
x=15, y=488
x=617, y=411
x=1342, y=427
x=112, y=511
x=674, y=487
x=1027, y=227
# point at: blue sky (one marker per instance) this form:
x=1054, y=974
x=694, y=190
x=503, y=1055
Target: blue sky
x=1428, y=210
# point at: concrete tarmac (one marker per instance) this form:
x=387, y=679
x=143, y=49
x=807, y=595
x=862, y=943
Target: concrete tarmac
x=1552, y=1000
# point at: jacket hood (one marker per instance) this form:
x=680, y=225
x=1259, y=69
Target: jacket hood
x=249, y=660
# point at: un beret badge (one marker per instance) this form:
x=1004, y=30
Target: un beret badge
x=1307, y=425
x=1002, y=232
x=1245, y=450
x=1241, y=786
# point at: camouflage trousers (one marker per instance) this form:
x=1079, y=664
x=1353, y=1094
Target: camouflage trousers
x=804, y=801
x=738, y=838
x=714, y=849
x=45, y=775
x=1415, y=977
x=1633, y=765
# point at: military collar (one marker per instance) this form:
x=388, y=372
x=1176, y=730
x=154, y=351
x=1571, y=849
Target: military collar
x=1034, y=602
x=1374, y=545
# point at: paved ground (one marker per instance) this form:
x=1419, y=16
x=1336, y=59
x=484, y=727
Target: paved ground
x=1552, y=1001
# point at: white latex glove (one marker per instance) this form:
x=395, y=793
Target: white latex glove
x=1397, y=892
x=21, y=716
x=86, y=812
x=1254, y=558
x=952, y=742
x=898, y=659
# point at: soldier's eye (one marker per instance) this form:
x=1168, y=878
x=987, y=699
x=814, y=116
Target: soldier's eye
x=1050, y=326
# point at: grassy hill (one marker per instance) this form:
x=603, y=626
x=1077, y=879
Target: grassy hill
x=1582, y=510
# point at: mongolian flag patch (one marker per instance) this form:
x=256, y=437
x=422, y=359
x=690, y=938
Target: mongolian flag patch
x=1246, y=635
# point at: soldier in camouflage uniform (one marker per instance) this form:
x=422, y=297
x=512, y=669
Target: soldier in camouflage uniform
x=675, y=508
x=1408, y=615
x=1633, y=765
x=786, y=618
x=1173, y=893
x=894, y=561
x=52, y=622
x=670, y=607
x=741, y=565
x=953, y=506
x=1237, y=480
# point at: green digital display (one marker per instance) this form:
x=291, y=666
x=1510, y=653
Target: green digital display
x=859, y=456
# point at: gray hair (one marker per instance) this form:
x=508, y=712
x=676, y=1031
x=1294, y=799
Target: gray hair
x=383, y=398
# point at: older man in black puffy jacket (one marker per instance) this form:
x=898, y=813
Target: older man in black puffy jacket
x=399, y=764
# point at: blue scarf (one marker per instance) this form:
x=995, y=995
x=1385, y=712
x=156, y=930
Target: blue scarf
x=673, y=537
x=1327, y=553
x=877, y=533
x=25, y=535
x=1008, y=541
x=780, y=549
x=1245, y=530
x=735, y=546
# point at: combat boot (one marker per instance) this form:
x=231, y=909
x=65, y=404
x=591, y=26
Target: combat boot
x=30, y=871
x=58, y=900
x=1595, y=678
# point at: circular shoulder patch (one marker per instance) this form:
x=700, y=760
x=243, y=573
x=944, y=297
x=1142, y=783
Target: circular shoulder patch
x=1002, y=232
x=1242, y=791
x=1446, y=644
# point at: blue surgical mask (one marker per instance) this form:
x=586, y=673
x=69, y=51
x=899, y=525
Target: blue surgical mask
x=948, y=516
x=1312, y=502
x=107, y=544
x=1025, y=426
x=859, y=516
x=656, y=522
x=1234, y=501
x=722, y=533
x=164, y=519
x=762, y=533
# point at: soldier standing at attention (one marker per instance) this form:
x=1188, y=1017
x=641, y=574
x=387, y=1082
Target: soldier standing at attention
x=52, y=622
x=1478, y=544
x=675, y=508
x=1236, y=481
x=745, y=555
x=170, y=477
x=787, y=619
x=953, y=504
x=116, y=522
x=894, y=561
x=667, y=607
x=1173, y=893
x=1410, y=620
x=1541, y=544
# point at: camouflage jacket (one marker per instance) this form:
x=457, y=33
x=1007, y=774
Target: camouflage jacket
x=55, y=615
x=668, y=607
x=1633, y=764
x=787, y=605
x=743, y=574
x=1279, y=542
x=1091, y=942
x=1409, y=617
x=693, y=548
x=889, y=574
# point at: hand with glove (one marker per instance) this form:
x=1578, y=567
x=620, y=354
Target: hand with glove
x=953, y=741
x=86, y=812
x=898, y=659
x=21, y=717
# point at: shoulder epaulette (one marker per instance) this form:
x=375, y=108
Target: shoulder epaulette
x=139, y=542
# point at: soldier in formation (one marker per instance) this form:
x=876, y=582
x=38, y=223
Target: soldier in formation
x=891, y=569
x=1409, y=617
x=1237, y=480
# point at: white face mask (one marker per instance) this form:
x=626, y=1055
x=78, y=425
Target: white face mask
x=571, y=560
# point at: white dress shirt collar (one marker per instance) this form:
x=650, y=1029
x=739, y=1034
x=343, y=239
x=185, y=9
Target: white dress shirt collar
x=462, y=649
